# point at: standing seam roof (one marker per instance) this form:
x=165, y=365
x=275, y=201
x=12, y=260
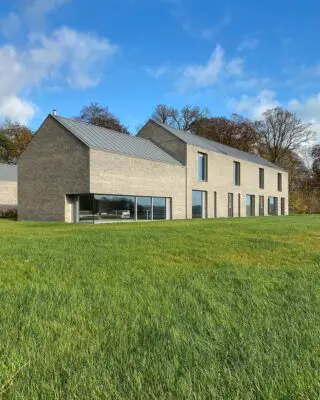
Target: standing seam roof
x=96, y=137
x=190, y=138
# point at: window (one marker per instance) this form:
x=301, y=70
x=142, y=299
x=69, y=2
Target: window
x=283, y=206
x=230, y=204
x=202, y=167
x=239, y=205
x=99, y=208
x=199, y=200
x=261, y=206
x=250, y=205
x=261, y=178
x=280, y=182
x=215, y=204
x=273, y=205
x=236, y=173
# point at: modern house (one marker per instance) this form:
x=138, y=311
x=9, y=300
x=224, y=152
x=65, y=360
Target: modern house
x=8, y=187
x=77, y=172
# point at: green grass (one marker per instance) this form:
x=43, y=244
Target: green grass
x=214, y=309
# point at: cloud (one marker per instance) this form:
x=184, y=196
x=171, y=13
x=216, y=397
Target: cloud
x=248, y=43
x=10, y=25
x=36, y=11
x=157, y=72
x=255, y=106
x=203, y=75
x=65, y=56
x=235, y=66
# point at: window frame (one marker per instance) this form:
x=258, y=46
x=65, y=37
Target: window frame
x=237, y=173
x=204, y=164
x=230, y=205
x=261, y=209
x=279, y=182
x=261, y=178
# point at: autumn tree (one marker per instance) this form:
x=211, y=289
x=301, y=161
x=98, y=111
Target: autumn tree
x=180, y=119
x=282, y=131
x=98, y=115
x=14, y=138
x=236, y=132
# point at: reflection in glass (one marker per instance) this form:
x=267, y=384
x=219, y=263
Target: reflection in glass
x=196, y=204
x=86, y=208
x=144, y=208
x=114, y=207
x=159, y=208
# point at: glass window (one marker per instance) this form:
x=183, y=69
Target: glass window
x=230, y=204
x=108, y=207
x=283, y=206
x=202, y=166
x=159, y=208
x=280, y=182
x=86, y=208
x=144, y=208
x=250, y=205
x=261, y=206
x=261, y=178
x=273, y=205
x=239, y=205
x=197, y=204
x=236, y=173
x=215, y=204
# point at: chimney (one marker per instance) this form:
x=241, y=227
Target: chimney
x=54, y=112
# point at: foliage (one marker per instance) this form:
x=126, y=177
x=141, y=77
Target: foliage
x=180, y=119
x=98, y=115
x=14, y=139
x=147, y=311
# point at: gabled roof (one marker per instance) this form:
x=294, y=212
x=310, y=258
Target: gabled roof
x=8, y=172
x=199, y=141
x=99, y=138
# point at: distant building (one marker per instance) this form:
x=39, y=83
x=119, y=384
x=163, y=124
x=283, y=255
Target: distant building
x=76, y=172
x=8, y=187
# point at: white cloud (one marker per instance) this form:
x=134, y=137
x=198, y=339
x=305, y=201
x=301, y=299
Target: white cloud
x=255, y=106
x=248, y=43
x=64, y=56
x=203, y=75
x=157, y=72
x=37, y=10
x=252, y=83
x=235, y=66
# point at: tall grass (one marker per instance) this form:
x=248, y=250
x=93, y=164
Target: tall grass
x=219, y=309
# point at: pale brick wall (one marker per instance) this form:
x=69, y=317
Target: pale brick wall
x=112, y=173
x=8, y=193
x=54, y=164
x=220, y=179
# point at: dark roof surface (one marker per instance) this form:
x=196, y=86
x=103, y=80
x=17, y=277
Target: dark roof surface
x=105, y=139
x=195, y=140
x=8, y=172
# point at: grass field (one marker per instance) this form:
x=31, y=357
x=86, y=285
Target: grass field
x=212, y=309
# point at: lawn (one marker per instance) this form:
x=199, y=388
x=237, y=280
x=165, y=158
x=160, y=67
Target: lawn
x=207, y=309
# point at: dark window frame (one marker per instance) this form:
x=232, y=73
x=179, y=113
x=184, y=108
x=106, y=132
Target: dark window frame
x=204, y=160
x=237, y=173
x=261, y=209
x=251, y=211
x=283, y=206
x=230, y=205
x=215, y=204
x=261, y=178
x=279, y=182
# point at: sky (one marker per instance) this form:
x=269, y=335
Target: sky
x=130, y=55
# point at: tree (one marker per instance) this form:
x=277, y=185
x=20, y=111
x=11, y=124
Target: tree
x=14, y=139
x=180, y=119
x=281, y=132
x=98, y=115
x=315, y=154
x=236, y=132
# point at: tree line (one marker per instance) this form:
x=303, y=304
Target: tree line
x=280, y=136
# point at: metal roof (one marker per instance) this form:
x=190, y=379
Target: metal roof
x=99, y=138
x=199, y=141
x=8, y=172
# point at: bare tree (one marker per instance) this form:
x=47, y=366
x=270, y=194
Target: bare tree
x=282, y=131
x=180, y=119
x=98, y=115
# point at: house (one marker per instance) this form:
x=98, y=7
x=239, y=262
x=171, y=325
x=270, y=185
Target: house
x=8, y=187
x=77, y=172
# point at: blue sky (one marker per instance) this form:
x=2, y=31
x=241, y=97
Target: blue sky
x=130, y=55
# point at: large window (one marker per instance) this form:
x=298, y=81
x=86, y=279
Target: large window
x=273, y=205
x=236, y=173
x=230, y=204
x=280, y=182
x=199, y=200
x=100, y=208
x=261, y=178
x=202, y=167
x=261, y=206
x=250, y=205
